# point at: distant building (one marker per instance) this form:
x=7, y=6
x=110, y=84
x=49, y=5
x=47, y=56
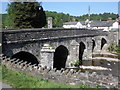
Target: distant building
x=105, y=25
x=80, y=24
x=115, y=25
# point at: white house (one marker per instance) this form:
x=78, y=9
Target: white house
x=105, y=25
x=74, y=25
x=115, y=25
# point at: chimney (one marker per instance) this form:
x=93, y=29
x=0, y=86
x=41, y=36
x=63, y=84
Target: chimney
x=49, y=22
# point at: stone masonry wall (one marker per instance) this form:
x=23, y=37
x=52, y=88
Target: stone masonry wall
x=32, y=40
x=17, y=36
x=63, y=75
x=113, y=37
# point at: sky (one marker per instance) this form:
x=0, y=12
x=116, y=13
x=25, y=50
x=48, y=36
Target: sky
x=76, y=8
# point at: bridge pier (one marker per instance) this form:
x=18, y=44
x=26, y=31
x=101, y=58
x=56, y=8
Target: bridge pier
x=87, y=55
x=74, y=52
x=47, y=54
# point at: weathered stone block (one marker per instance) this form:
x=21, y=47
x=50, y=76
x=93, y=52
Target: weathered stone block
x=87, y=62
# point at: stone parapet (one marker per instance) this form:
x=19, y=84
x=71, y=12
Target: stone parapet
x=30, y=35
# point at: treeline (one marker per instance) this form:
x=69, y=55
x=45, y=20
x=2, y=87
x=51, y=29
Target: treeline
x=3, y=20
x=103, y=17
x=60, y=18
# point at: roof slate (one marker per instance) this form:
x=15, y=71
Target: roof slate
x=101, y=23
x=70, y=23
x=93, y=23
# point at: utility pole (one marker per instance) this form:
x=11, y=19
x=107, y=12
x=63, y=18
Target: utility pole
x=89, y=12
x=88, y=20
x=119, y=23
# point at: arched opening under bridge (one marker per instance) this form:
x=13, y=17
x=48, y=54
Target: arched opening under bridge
x=60, y=57
x=81, y=51
x=26, y=56
x=93, y=45
x=103, y=42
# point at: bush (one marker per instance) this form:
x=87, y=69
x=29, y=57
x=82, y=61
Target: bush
x=117, y=49
x=76, y=63
x=114, y=48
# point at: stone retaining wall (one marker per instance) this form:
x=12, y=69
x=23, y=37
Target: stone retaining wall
x=63, y=75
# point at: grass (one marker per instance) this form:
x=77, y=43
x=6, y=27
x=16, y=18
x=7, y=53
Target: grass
x=22, y=80
x=0, y=73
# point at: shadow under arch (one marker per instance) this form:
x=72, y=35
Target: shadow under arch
x=93, y=45
x=103, y=42
x=60, y=57
x=26, y=56
x=81, y=51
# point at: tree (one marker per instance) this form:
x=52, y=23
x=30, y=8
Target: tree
x=26, y=15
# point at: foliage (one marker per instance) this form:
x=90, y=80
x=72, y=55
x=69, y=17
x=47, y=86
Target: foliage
x=118, y=49
x=25, y=15
x=0, y=73
x=98, y=86
x=8, y=23
x=114, y=48
x=103, y=17
x=60, y=18
x=76, y=63
x=22, y=80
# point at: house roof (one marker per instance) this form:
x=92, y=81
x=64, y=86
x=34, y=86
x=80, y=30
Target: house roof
x=93, y=23
x=82, y=22
x=74, y=23
x=101, y=23
x=70, y=23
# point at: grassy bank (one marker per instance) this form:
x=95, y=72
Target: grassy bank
x=22, y=80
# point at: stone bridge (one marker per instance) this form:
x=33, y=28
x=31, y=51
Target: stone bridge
x=55, y=48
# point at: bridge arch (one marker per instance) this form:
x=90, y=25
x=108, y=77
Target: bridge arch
x=82, y=47
x=26, y=56
x=60, y=56
x=103, y=42
x=93, y=45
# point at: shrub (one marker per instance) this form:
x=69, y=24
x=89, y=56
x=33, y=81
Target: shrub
x=114, y=48
x=117, y=49
x=76, y=63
